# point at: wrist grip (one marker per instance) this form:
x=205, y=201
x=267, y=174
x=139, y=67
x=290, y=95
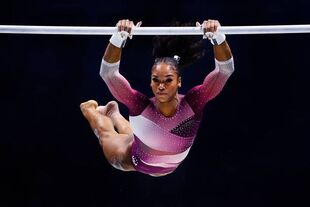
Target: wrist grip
x=118, y=39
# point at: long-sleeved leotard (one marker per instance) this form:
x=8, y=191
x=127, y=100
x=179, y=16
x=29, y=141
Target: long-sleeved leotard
x=162, y=143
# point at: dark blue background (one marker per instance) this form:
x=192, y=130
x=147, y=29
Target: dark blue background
x=253, y=145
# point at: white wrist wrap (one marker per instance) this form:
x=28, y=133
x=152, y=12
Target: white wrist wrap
x=218, y=39
x=118, y=39
x=215, y=38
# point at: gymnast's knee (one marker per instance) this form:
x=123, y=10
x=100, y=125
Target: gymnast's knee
x=121, y=160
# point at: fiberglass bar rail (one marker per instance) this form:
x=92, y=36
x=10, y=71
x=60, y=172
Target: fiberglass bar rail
x=86, y=30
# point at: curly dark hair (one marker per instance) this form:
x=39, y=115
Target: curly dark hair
x=188, y=47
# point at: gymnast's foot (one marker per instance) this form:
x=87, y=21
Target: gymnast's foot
x=88, y=108
x=112, y=109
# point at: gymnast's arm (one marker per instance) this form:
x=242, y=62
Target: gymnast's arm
x=109, y=71
x=215, y=80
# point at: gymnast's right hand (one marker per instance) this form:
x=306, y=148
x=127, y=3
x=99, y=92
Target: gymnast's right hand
x=124, y=29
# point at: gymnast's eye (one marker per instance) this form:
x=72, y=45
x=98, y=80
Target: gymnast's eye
x=169, y=80
x=155, y=80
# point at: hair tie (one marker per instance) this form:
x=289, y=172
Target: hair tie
x=177, y=58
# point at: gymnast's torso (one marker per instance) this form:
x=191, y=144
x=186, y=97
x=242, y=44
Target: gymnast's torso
x=162, y=143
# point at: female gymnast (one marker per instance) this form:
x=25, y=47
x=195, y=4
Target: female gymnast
x=161, y=129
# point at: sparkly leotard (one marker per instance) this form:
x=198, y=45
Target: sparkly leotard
x=162, y=143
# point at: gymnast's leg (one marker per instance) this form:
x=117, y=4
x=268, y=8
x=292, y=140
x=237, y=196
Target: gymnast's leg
x=116, y=146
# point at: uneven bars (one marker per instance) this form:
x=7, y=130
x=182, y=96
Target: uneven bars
x=84, y=30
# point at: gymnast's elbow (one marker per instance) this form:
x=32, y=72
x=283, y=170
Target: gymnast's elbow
x=108, y=70
x=226, y=67
x=104, y=73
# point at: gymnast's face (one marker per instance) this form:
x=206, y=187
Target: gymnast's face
x=165, y=82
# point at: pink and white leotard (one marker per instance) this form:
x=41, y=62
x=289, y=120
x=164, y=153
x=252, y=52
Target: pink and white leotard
x=162, y=143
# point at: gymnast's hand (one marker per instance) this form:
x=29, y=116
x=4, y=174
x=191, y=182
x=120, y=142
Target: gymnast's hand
x=210, y=31
x=127, y=26
x=209, y=25
x=124, y=29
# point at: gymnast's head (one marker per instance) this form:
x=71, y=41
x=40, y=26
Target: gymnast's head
x=171, y=55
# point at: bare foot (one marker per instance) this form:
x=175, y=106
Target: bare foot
x=102, y=110
x=88, y=106
x=112, y=109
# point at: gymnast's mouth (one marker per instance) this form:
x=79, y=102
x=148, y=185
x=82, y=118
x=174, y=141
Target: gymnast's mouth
x=161, y=94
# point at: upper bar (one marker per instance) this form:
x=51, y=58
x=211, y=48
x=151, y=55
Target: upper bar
x=75, y=30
